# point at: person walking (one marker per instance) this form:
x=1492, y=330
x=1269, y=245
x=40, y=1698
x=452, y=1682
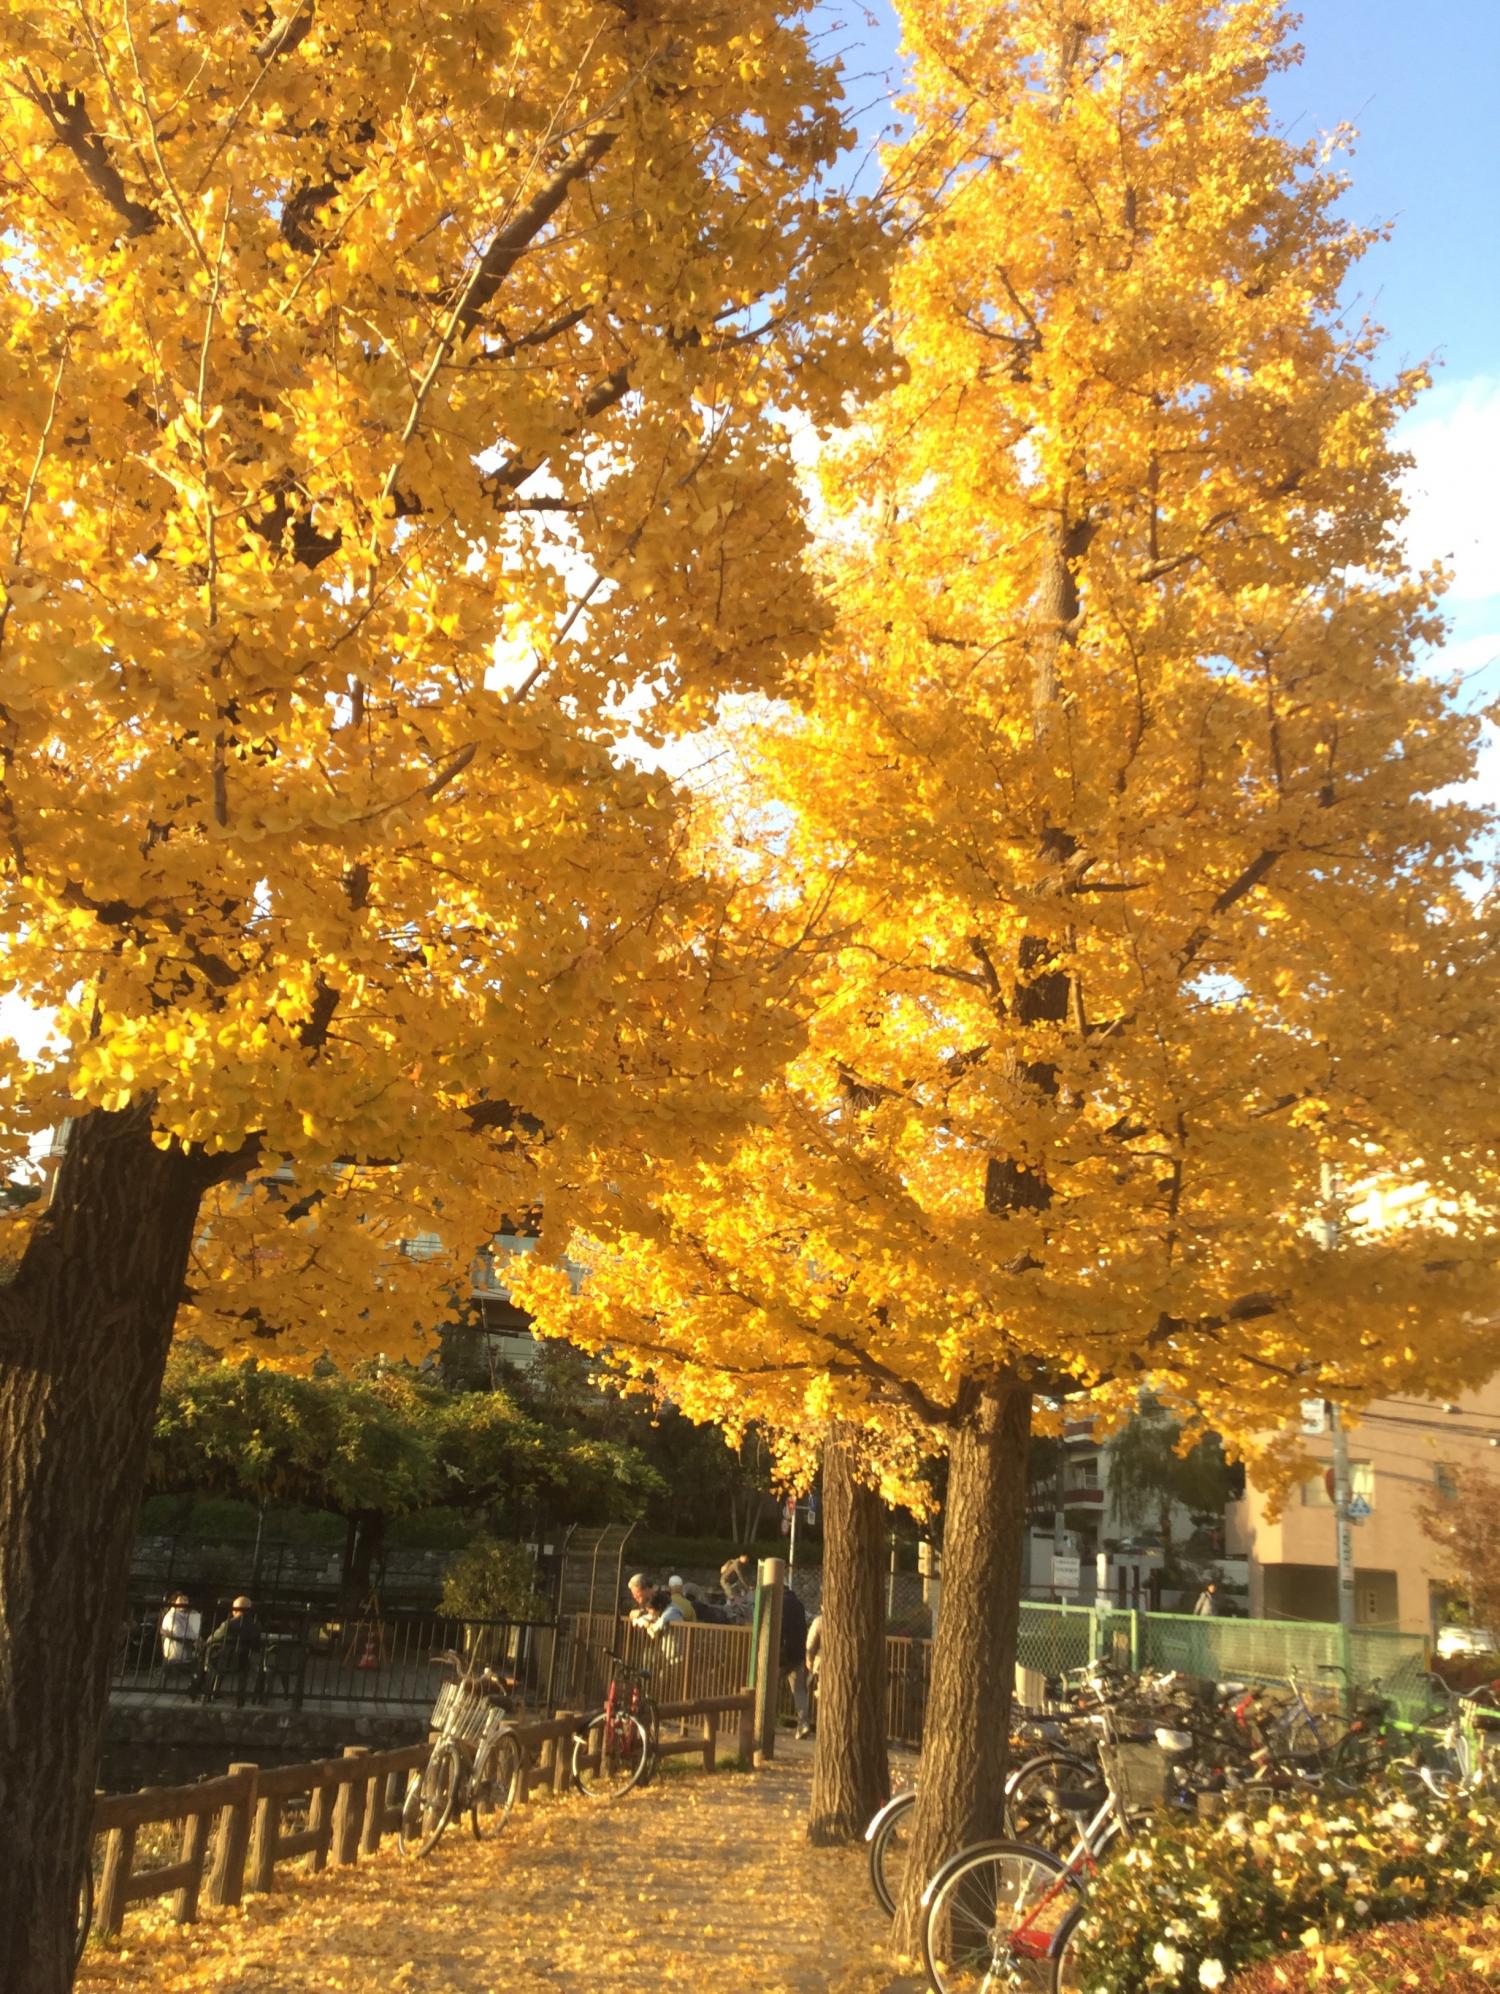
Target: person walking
x=1208, y=1606
x=814, y=1663
x=794, y=1658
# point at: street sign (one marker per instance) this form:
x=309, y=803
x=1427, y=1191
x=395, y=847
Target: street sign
x=1314, y=1417
x=1359, y=1509
x=1065, y=1572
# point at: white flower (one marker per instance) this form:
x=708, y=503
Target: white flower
x=1401, y=1810
x=1168, y=1959
x=1361, y=1906
x=1436, y=1845
x=1211, y=1973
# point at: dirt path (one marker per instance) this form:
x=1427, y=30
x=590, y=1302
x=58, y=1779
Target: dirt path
x=702, y=1882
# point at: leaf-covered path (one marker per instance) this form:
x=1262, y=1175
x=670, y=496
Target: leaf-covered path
x=699, y=1882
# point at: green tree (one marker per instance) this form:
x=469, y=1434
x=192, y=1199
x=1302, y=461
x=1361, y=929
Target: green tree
x=375, y=1447
x=1151, y=1473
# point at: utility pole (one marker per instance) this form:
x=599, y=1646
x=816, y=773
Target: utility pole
x=1343, y=1528
x=1342, y=1492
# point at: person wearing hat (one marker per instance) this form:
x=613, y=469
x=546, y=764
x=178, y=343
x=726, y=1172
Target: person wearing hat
x=685, y=1608
x=236, y=1639
x=179, y=1630
x=231, y=1649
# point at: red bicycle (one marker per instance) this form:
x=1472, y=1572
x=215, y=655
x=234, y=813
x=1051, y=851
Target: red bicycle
x=614, y=1749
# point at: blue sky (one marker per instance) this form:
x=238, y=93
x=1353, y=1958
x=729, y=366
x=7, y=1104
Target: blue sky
x=1420, y=83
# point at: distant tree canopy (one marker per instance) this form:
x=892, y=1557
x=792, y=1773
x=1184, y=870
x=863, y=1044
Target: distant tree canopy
x=1466, y=1527
x=1151, y=1474
x=382, y=1445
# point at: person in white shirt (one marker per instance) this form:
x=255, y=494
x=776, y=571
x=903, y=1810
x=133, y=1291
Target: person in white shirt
x=179, y=1630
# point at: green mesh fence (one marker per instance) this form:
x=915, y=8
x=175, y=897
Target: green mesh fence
x=1055, y=1638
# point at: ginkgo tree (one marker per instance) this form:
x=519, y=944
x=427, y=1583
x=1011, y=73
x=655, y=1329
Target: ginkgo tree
x=385, y=430
x=1133, y=832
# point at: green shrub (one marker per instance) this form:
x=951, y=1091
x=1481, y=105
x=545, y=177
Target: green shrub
x=1187, y=1905
x=493, y=1581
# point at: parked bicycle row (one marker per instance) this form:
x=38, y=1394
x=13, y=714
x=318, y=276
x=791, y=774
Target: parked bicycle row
x=1111, y=1751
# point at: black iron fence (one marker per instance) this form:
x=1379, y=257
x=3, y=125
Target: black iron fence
x=295, y=1655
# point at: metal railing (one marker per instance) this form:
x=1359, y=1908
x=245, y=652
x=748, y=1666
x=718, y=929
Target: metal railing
x=704, y=1660
x=305, y=1655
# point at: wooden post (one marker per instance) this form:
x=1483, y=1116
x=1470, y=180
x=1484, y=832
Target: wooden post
x=395, y=1799
x=348, y=1812
x=263, y=1841
x=772, y=1583
x=226, y=1879
x=119, y=1854
x=562, y=1764
x=710, y=1740
x=194, y=1848
x=375, y=1788
x=747, y=1731
x=319, y=1823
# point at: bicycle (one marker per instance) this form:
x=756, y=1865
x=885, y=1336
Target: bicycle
x=1007, y=1913
x=614, y=1748
x=475, y=1765
x=1459, y=1759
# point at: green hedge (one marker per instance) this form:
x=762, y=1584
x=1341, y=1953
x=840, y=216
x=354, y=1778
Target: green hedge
x=1188, y=1905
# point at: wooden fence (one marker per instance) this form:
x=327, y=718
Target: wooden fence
x=235, y=1830
x=702, y=1660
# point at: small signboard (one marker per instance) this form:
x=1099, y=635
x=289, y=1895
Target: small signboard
x=1314, y=1417
x=1359, y=1509
x=1065, y=1572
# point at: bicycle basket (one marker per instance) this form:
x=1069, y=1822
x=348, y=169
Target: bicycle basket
x=1135, y=1773
x=461, y=1711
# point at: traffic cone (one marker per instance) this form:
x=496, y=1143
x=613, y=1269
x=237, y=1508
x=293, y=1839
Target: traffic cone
x=370, y=1659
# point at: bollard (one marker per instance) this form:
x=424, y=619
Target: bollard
x=771, y=1584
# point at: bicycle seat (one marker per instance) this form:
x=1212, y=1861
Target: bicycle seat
x=1073, y=1799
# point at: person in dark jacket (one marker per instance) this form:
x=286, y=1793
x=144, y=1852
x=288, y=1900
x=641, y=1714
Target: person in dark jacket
x=794, y=1658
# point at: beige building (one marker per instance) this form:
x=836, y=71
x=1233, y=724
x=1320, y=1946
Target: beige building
x=1401, y=1453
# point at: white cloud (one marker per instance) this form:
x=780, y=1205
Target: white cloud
x=1451, y=489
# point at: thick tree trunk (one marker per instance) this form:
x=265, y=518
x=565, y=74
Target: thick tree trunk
x=961, y=1785
x=84, y=1329
x=851, y=1770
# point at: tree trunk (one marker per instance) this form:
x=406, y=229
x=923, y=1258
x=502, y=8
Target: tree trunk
x=84, y=1327
x=851, y=1771
x=961, y=1788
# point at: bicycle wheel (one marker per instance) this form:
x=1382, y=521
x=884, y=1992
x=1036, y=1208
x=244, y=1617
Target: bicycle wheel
x=994, y=1919
x=1066, y=1965
x=610, y=1755
x=429, y=1802
x=1033, y=1819
x=496, y=1782
x=888, y=1846
x=1359, y=1757
x=644, y=1712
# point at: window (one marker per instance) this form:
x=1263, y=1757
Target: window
x=1316, y=1493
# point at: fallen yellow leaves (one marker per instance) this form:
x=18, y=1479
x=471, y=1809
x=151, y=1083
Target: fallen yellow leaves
x=696, y=1882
